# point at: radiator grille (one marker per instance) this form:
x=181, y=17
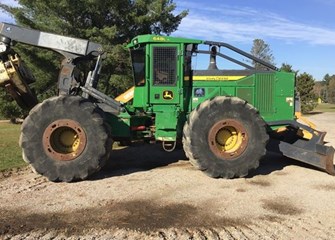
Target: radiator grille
x=264, y=92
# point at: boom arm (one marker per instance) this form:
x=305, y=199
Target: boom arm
x=76, y=46
x=73, y=49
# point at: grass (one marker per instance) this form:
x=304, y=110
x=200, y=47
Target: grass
x=325, y=107
x=10, y=152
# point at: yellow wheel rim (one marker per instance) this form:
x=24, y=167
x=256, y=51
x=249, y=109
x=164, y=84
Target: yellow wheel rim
x=64, y=140
x=228, y=139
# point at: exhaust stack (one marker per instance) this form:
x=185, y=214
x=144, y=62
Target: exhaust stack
x=212, y=60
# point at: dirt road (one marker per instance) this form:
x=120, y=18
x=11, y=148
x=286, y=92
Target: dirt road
x=148, y=194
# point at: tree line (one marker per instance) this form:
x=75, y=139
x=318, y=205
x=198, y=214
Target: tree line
x=112, y=24
x=325, y=89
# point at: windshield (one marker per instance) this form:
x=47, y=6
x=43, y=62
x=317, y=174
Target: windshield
x=138, y=61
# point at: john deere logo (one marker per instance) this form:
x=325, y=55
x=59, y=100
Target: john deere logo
x=168, y=95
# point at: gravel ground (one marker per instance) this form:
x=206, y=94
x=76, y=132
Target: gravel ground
x=146, y=193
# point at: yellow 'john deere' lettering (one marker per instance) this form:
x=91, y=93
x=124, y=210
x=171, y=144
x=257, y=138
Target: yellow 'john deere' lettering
x=217, y=78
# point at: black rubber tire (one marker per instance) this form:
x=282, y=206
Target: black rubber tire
x=196, y=137
x=89, y=117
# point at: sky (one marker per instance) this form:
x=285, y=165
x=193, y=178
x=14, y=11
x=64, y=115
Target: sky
x=299, y=32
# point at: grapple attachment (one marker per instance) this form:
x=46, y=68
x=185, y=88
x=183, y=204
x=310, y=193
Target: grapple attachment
x=15, y=78
x=311, y=150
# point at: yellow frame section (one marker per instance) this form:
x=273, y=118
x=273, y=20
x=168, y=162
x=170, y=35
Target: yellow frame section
x=126, y=96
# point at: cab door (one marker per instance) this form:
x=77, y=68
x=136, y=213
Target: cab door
x=164, y=74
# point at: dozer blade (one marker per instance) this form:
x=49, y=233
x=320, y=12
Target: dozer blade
x=313, y=151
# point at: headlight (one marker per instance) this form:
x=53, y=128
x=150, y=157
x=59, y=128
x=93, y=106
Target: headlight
x=4, y=43
x=3, y=47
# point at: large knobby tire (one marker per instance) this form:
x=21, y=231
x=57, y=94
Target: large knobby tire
x=65, y=138
x=225, y=137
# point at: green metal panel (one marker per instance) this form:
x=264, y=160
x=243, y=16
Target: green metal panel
x=140, y=99
x=166, y=120
x=274, y=95
x=120, y=125
x=284, y=96
x=246, y=93
x=247, y=81
x=228, y=91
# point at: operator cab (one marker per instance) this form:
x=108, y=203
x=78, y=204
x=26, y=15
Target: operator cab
x=158, y=68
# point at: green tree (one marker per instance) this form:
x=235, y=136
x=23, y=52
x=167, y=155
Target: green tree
x=319, y=90
x=261, y=50
x=8, y=108
x=331, y=90
x=327, y=78
x=287, y=68
x=304, y=85
x=110, y=23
